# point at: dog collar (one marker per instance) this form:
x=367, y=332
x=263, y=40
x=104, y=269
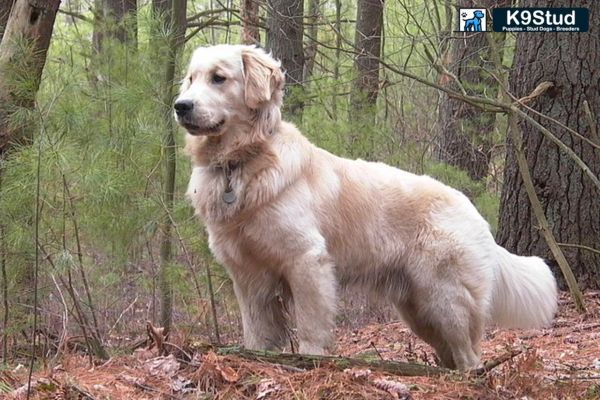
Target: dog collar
x=229, y=196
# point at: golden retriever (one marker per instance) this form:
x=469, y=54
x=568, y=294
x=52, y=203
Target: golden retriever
x=290, y=220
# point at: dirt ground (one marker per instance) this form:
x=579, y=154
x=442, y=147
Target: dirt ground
x=561, y=362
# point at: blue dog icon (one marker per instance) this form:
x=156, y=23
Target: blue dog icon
x=474, y=24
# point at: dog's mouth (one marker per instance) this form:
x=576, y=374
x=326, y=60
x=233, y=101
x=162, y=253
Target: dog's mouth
x=198, y=130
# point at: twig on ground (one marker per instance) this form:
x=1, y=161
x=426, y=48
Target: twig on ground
x=81, y=393
x=376, y=350
x=121, y=315
x=491, y=364
x=289, y=368
x=155, y=390
x=186, y=354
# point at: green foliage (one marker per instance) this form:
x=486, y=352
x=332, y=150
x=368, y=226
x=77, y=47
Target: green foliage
x=5, y=387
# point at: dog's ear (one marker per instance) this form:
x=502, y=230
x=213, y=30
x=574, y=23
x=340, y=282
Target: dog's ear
x=263, y=78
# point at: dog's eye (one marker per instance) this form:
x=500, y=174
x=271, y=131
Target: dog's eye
x=218, y=79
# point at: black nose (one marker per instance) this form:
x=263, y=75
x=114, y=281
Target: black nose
x=182, y=107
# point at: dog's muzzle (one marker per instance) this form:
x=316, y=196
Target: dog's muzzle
x=185, y=116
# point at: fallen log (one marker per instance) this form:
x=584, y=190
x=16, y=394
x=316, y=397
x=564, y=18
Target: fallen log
x=306, y=361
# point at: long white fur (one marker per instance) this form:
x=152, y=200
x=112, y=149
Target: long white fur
x=306, y=222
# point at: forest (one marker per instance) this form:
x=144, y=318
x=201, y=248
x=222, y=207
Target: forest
x=108, y=288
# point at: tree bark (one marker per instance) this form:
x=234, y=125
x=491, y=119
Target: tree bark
x=22, y=58
x=284, y=39
x=570, y=200
x=174, y=14
x=250, y=22
x=369, y=23
x=465, y=134
x=5, y=6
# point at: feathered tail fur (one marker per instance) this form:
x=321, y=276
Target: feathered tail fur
x=525, y=292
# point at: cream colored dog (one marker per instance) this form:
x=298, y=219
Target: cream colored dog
x=289, y=219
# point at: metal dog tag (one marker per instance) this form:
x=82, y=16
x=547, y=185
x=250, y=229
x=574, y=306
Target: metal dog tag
x=229, y=196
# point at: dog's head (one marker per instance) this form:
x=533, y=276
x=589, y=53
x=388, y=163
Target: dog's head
x=230, y=87
x=478, y=14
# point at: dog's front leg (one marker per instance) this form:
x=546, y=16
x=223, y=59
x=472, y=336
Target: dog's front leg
x=263, y=317
x=313, y=285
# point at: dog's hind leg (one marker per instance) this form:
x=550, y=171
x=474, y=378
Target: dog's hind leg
x=447, y=318
x=454, y=316
x=422, y=328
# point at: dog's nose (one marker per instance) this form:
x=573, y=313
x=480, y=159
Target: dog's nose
x=182, y=107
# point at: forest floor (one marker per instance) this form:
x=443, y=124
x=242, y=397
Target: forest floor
x=562, y=362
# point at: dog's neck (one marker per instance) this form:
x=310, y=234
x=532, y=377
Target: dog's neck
x=243, y=141
x=235, y=147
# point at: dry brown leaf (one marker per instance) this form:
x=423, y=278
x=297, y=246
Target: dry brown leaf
x=266, y=387
x=163, y=366
x=358, y=373
x=396, y=389
x=182, y=385
x=229, y=374
x=142, y=354
x=211, y=357
x=132, y=380
x=21, y=392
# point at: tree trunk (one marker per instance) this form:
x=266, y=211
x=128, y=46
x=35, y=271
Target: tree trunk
x=250, y=22
x=5, y=6
x=114, y=19
x=570, y=200
x=284, y=39
x=22, y=58
x=363, y=98
x=338, y=53
x=369, y=22
x=174, y=14
x=465, y=132
x=126, y=14
x=312, y=33
x=98, y=32
x=5, y=297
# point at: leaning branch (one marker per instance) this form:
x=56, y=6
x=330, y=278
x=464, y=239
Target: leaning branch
x=538, y=210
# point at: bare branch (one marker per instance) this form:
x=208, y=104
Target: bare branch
x=207, y=13
x=75, y=15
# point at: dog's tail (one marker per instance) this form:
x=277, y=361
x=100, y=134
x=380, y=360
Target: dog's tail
x=525, y=293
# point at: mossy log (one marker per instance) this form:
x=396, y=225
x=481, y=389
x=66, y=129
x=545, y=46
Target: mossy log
x=306, y=361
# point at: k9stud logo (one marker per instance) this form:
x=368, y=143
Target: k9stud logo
x=540, y=19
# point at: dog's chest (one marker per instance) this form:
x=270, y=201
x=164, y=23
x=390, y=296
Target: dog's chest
x=214, y=194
